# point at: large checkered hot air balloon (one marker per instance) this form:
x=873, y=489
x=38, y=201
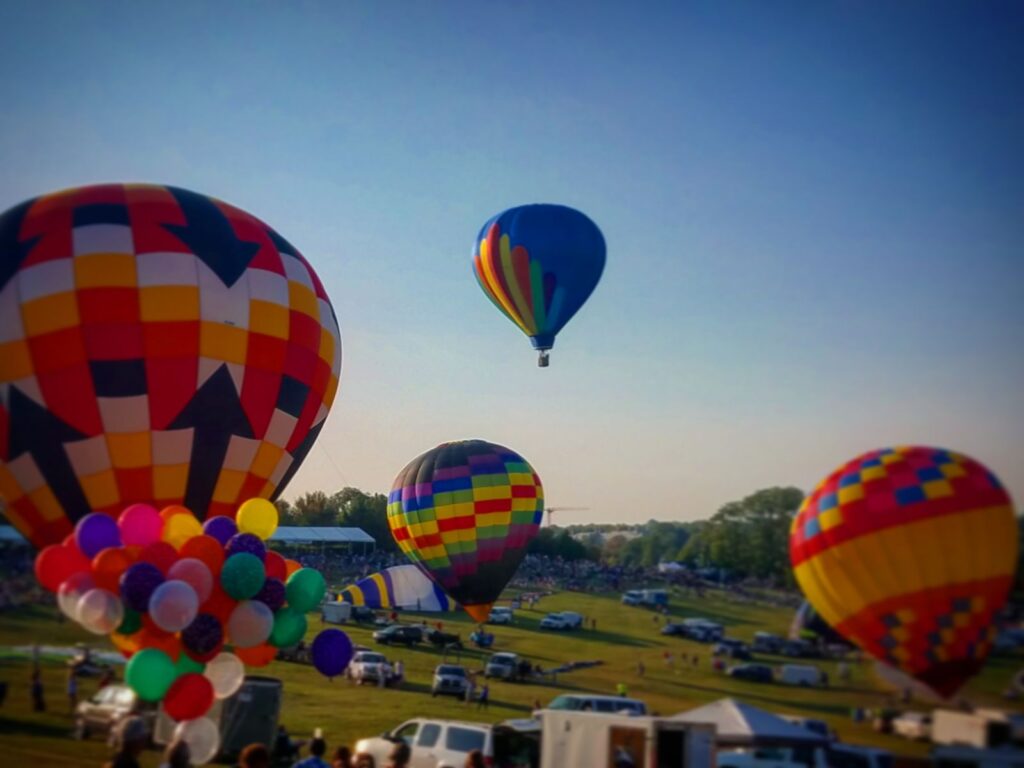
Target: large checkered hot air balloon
x=910, y=553
x=538, y=264
x=156, y=345
x=464, y=512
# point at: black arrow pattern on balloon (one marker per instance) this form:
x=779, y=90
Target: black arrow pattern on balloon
x=210, y=236
x=39, y=433
x=215, y=413
x=298, y=456
x=14, y=250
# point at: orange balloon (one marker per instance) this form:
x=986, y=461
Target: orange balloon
x=126, y=644
x=207, y=549
x=107, y=567
x=257, y=656
x=291, y=566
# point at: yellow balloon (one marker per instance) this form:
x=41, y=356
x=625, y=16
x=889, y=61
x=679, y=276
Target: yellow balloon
x=258, y=517
x=180, y=528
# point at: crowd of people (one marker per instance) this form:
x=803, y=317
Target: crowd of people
x=18, y=585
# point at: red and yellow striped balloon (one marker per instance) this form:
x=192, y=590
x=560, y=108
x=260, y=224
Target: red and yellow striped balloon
x=910, y=552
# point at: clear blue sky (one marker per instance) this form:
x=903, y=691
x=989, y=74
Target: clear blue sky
x=814, y=214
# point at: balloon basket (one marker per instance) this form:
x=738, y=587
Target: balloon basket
x=542, y=359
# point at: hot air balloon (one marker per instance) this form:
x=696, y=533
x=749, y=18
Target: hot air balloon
x=402, y=586
x=909, y=553
x=158, y=346
x=464, y=512
x=538, y=264
x=808, y=625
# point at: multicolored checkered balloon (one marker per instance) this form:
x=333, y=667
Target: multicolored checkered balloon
x=910, y=553
x=156, y=346
x=464, y=512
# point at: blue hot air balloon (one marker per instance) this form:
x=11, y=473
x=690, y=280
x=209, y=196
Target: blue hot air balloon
x=539, y=264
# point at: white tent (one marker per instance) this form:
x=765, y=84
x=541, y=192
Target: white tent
x=670, y=567
x=301, y=534
x=743, y=725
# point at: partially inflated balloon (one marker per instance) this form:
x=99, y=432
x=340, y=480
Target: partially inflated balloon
x=157, y=345
x=538, y=264
x=910, y=553
x=400, y=586
x=465, y=512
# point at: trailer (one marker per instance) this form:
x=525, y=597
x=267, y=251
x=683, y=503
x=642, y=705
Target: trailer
x=970, y=729
x=620, y=741
x=336, y=612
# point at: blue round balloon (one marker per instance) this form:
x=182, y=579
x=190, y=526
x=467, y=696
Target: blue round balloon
x=272, y=594
x=332, y=651
x=203, y=635
x=138, y=583
x=246, y=542
x=221, y=528
x=95, y=532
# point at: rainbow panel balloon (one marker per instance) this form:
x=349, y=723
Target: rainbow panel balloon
x=538, y=264
x=464, y=512
x=910, y=553
x=156, y=346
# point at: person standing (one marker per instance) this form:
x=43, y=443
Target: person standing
x=72, y=690
x=399, y=757
x=399, y=673
x=483, y=701
x=470, y=688
x=131, y=736
x=317, y=749
x=36, y=689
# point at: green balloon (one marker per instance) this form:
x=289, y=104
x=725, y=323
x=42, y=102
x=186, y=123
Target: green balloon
x=186, y=664
x=305, y=589
x=150, y=673
x=131, y=623
x=289, y=627
x=242, y=575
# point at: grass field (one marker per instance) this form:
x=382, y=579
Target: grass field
x=346, y=712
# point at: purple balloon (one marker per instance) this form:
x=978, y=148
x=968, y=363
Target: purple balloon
x=272, y=593
x=203, y=635
x=246, y=542
x=332, y=651
x=96, y=532
x=138, y=583
x=221, y=528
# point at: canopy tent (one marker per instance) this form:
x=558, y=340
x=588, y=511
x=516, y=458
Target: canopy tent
x=742, y=725
x=9, y=535
x=300, y=534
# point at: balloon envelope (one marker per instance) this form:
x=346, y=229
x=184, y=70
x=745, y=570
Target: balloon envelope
x=910, y=552
x=538, y=264
x=402, y=586
x=464, y=512
x=159, y=344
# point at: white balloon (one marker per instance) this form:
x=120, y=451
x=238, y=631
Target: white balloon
x=226, y=672
x=70, y=592
x=250, y=624
x=202, y=737
x=173, y=605
x=100, y=611
x=193, y=572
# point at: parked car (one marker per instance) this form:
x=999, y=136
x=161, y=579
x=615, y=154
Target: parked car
x=578, y=702
x=803, y=675
x=448, y=742
x=731, y=649
x=812, y=724
x=755, y=673
x=675, y=628
x=563, y=620
x=399, y=634
x=449, y=679
x=370, y=667
x=632, y=597
x=766, y=642
x=107, y=707
x=443, y=639
x=913, y=725
x=504, y=666
x=500, y=614
x=704, y=630
x=799, y=649
x=363, y=614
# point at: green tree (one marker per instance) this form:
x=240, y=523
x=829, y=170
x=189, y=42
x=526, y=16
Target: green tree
x=358, y=509
x=313, y=508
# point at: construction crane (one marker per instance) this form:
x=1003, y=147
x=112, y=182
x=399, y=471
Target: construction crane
x=549, y=510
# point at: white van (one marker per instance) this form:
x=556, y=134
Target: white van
x=609, y=705
x=800, y=674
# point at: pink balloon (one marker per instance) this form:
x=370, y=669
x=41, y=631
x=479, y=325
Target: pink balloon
x=194, y=573
x=140, y=524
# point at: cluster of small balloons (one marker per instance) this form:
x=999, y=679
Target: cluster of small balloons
x=175, y=594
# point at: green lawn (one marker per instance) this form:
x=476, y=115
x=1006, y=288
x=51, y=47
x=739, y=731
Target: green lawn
x=623, y=637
